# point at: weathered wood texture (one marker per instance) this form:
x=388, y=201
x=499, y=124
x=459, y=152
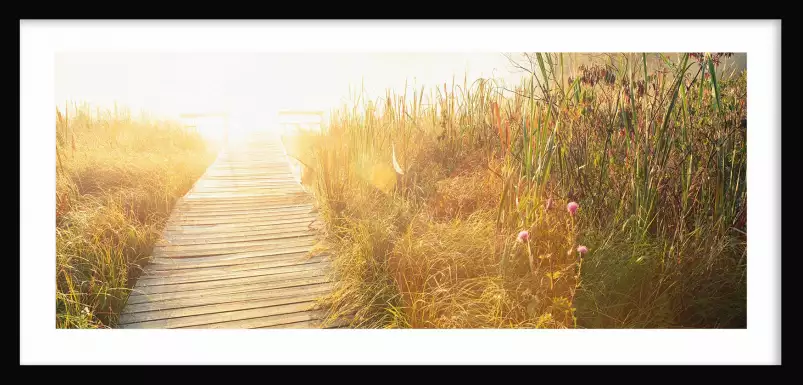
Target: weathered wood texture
x=236, y=251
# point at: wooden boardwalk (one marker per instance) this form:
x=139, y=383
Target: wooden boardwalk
x=236, y=251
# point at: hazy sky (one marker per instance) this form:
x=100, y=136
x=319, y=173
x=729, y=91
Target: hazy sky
x=253, y=87
x=255, y=84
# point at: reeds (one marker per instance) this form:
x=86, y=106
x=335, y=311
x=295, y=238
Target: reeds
x=654, y=154
x=116, y=180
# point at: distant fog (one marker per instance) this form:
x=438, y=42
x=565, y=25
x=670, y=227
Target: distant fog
x=253, y=87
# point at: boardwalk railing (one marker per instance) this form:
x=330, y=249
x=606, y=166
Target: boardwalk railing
x=291, y=120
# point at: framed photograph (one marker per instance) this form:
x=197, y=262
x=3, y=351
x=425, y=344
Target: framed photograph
x=299, y=192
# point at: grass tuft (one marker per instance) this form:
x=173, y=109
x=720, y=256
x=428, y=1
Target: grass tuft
x=424, y=195
x=117, y=179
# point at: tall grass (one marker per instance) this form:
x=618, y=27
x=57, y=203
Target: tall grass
x=424, y=194
x=116, y=181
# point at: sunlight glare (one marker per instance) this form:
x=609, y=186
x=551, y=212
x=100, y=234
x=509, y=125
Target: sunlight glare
x=253, y=87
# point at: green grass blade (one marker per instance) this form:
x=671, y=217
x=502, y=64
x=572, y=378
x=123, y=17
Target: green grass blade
x=714, y=83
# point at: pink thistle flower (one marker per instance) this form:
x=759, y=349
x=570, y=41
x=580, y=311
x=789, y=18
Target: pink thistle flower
x=582, y=249
x=572, y=207
x=524, y=236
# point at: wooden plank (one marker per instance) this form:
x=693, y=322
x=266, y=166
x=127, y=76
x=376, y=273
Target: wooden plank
x=266, y=246
x=266, y=191
x=267, y=186
x=177, y=238
x=129, y=318
x=244, y=263
x=230, y=183
x=261, y=218
x=202, y=240
x=242, y=193
x=237, y=180
x=265, y=195
x=311, y=324
x=279, y=190
x=232, y=174
x=300, y=195
x=187, y=228
x=226, y=165
x=235, y=252
x=298, y=255
x=290, y=320
x=217, y=318
x=235, y=170
x=255, y=177
x=254, y=212
x=299, y=252
x=266, y=173
x=235, y=237
x=241, y=206
x=231, y=170
x=289, y=239
x=308, y=319
x=269, y=322
x=221, y=176
x=233, y=232
x=252, y=154
x=220, y=271
x=246, y=204
x=317, y=288
x=226, y=290
x=150, y=272
x=267, y=180
x=189, y=225
x=284, y=218
x=235, y=257
x=223, y=275
x=227, y=282
x=316, y=323
x=252, y=163
x=233, y=184
x=239, y=227
x=225, y=254
x=190, y=230
x=252, y=166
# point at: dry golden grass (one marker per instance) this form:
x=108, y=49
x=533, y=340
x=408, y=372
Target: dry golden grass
x=116, y=182
x=658, y=170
